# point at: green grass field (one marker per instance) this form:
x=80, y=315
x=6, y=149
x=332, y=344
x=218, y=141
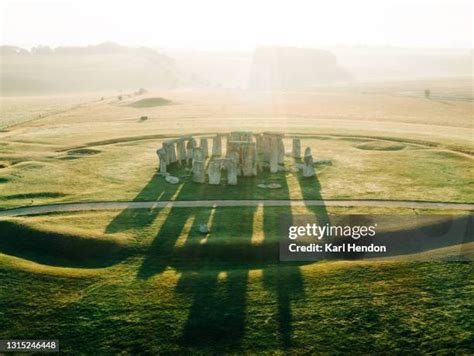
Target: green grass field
x=146, y=281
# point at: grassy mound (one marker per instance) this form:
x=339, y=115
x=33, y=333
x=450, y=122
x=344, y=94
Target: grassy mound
x=59, y=248
x=150, y=102
x=451, y=155
x=381, y=146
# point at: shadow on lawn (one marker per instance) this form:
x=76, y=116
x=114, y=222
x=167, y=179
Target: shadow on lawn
x=139, y=218
x=215, y=267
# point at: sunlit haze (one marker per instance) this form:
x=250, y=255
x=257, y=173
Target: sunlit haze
x=243, y=24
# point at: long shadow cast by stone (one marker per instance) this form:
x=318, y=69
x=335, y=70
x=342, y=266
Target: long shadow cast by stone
x=283, y=280
x=286, y=284
x=217, y=285
x=214, y=268
x=156, y=189
x=162, y=250
x=311, y=189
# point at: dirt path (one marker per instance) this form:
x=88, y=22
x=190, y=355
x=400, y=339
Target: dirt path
x=43, y=209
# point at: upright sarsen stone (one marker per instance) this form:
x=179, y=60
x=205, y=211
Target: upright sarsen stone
x=163, y=156
x=267, y=142
x=214, y=171
x=248, y=159
x=181, y=149
x=199, y=166
x=217, y=146
x=272, y=144
x=259, y=159
x=190, y=146
x=203, y=144
x=231, y=165
x=296, y=148
x=281, y=150
x=308, y=168
x=173, y=151
x=169, y=146
x=273, y=154
x=254, y=159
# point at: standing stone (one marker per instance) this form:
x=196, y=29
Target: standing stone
x=259, y=159
x=232, y=168
x=281, y=150
x=181, y=150
x=199, y=166
x=249, y=164
x=163, y=156
x=273, y=154
x=246, y=136
x=217, y=146
x=259, y=140
x=267, y=142
x=308, y=168
x=214, y=171
x=254, y=159
x=233, y=146
x=169, y=146
x=205, y=148
x=173, y=151
x=190, y=146
x=231, y=137
x=166, y=148
x=296, y=148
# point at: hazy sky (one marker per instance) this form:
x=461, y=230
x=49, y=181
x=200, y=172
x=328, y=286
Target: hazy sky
x=238, y=24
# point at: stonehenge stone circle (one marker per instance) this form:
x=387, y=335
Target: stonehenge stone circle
x=246, y=155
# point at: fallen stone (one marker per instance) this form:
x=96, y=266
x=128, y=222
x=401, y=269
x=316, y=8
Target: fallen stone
x=203, y=229
x=172, y=179
x=269, y=186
